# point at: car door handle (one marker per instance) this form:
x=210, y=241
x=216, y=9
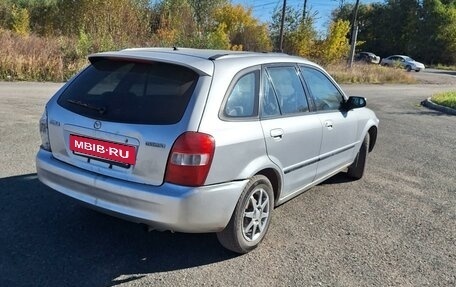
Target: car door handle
x=276, y=133
x=329, y=124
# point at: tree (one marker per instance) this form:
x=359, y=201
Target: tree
x=242, y=29
x=203, y=10
x=335, y=47
x=291, y=24
x=174, y=23
x=20, y=21
x=302, y=41
x=438, y=23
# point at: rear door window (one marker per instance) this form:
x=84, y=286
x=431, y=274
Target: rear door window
x=131, y=92
x=285, y=85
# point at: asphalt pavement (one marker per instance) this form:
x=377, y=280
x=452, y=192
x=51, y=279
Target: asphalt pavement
x=395, y=227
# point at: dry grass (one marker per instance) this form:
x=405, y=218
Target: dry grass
x=33, y=58
x=368, y=74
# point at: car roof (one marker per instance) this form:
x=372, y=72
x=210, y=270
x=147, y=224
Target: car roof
x=201, y=60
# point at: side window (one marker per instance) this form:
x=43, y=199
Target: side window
x=270, y=105
x=326, y=96
x=288, y=89
x=243, y=97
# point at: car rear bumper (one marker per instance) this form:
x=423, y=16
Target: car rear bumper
x=165, y=207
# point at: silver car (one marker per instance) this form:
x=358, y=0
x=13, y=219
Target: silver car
x=404, y=62
x=195, y=141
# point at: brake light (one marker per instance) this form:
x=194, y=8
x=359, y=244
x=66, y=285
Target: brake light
x=190, y=159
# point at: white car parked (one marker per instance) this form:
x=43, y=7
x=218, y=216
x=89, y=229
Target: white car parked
x=403, y=61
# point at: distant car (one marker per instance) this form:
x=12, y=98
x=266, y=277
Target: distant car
x=403, y=61
x=367, y=57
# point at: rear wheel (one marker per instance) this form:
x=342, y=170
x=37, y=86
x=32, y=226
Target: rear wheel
x=251, y=217
x=356, y=169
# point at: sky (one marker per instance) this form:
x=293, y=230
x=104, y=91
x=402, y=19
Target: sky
x=263, y=9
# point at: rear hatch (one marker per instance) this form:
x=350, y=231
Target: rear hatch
x=120, y=117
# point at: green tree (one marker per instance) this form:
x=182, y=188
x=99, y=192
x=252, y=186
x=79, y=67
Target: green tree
x=387, y=28
x=291, y=24
x=438, y=23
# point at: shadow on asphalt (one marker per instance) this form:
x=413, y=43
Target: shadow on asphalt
x=341, y=177
x=48, y=239
x=424, y=111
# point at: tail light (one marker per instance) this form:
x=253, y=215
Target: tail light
x=190, y=159
x=44, y=132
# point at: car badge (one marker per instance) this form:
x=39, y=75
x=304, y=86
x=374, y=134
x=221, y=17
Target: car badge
x=97, y=125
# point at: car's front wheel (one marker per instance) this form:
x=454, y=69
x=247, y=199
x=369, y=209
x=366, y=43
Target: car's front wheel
x=251, y=217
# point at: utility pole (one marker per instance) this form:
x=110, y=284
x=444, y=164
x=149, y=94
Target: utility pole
x=282, y=21
x=354, y=35
x=304, y=11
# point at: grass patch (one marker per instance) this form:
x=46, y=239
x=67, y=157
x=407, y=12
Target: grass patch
x=369, y=74
x=447, y=99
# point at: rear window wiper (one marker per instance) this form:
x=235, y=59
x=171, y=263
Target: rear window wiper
x=100, y=110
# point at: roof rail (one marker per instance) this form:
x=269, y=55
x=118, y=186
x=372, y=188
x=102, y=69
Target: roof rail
x=216, y=56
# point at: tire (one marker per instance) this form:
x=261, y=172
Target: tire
x=408, y=68
x=357, y=168
x=251, y=217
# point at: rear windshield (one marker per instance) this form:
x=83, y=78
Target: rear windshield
x=130, y=92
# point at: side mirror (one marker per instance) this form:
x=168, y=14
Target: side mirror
x=354, y=103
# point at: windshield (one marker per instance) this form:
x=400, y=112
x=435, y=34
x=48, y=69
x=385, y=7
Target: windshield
x=131, y=92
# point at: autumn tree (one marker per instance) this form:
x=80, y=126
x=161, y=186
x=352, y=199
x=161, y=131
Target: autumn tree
x=302, y=41
x=243, y=30
x=335, y=47
x=20, y=21
x=173, y=23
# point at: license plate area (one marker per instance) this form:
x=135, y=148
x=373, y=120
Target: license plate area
x=109, y=152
